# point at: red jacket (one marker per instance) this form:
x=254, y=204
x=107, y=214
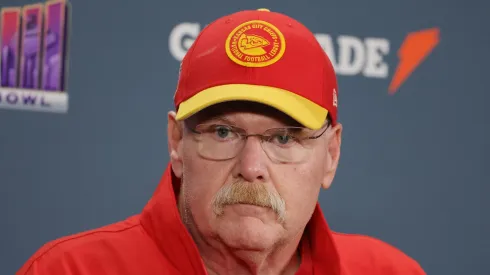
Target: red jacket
x=156, y=242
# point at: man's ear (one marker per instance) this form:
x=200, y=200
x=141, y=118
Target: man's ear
x=333, y=147
x=175, y=139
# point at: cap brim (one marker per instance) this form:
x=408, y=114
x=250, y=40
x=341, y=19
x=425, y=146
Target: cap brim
x=306, y=112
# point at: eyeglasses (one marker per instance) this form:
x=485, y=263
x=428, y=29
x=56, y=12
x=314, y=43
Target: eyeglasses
x=285, y=145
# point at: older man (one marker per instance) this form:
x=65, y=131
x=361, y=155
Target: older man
x=254, y=139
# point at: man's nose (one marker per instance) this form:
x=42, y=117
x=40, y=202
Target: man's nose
x=252, y=162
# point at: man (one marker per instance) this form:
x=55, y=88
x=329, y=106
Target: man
x=254, y=139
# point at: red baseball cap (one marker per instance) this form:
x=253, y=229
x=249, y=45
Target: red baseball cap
x=259, y=56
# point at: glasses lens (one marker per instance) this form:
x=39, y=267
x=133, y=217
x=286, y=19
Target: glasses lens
x=287, y=144
x=218, y=142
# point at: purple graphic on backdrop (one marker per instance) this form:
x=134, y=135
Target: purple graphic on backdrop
x=33, y=53
x=31, y=47
x=10, y=24
x=53, y=46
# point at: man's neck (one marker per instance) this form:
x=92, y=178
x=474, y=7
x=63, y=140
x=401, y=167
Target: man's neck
x=220, y=260
x=283, y=259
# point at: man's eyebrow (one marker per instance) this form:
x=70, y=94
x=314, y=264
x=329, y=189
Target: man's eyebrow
x=297, y=129
x=216, y=119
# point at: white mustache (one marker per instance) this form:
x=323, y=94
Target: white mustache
x=249, y=193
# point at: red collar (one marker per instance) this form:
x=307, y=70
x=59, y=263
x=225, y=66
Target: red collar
x=160, y=219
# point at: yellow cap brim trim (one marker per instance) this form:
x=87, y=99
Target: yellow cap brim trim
x=306, y=112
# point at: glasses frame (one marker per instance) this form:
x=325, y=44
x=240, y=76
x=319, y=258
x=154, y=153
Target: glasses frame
x=242, y=132
x=243, y=136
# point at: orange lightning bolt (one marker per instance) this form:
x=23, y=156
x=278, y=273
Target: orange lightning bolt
x=414, y=50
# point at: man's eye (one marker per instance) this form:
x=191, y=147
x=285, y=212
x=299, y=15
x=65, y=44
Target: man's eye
x=222, y=132
x=283, y=139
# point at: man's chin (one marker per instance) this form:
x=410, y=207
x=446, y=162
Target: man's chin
x=248, y=227
x=248, y=233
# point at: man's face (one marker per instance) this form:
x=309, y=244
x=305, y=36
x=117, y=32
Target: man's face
x=248, y=200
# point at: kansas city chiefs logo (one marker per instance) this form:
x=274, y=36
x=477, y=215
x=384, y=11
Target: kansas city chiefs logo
x=252, y=44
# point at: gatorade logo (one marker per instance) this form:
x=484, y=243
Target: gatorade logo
x=255, y=44
x=350, y=55
x=416, y=47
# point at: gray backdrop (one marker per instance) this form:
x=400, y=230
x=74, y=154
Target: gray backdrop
x=414, y=165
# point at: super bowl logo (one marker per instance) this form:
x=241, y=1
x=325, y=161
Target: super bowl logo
x=33, y=57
